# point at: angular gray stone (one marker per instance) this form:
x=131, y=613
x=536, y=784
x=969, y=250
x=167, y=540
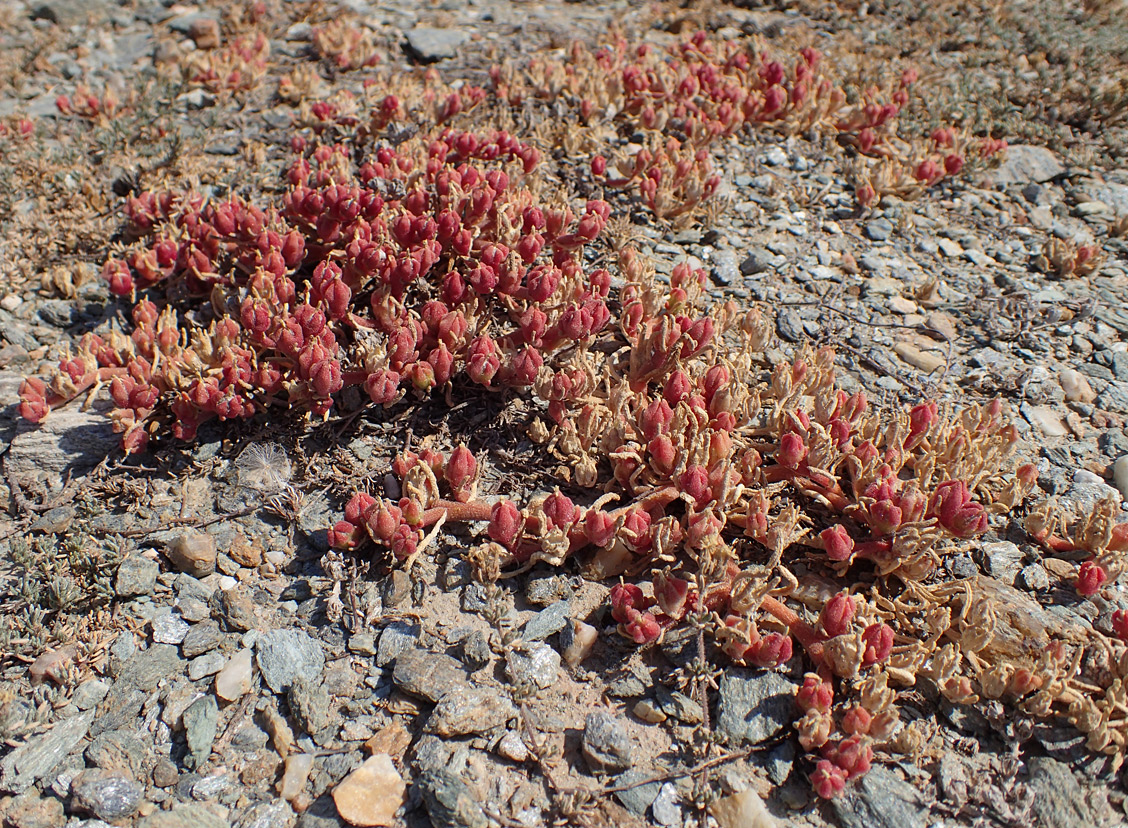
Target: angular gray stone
x=880, y=799
x=137, y=575
x=428, y=675
x=68, y=440
x=548, y=621
x=201, y=722
x=38, y=756
x=90, y=694
x=309, y=704
x=283, y=655
x=107, y=795
x=449, y=801
x=754, y=705
x=538, y=665
x=118, y=751
x=169, y=628
x=1025, y=164
x=606, y=744
x=187, y=815
x=396, y=637
x=469, y=711
x=637, y=798
x=201, y=638
x=429, y=44
x=1059, y=801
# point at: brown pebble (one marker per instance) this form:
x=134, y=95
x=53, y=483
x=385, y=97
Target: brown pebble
x=193, y=553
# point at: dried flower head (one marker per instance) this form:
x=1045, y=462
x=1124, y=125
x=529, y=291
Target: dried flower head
x=264, y=467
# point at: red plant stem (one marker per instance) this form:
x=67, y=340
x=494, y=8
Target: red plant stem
x=807, y=635
x=475, y=510
x=831, y=491
x=868, y=549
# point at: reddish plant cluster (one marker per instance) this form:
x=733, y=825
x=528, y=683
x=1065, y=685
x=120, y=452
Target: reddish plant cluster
x=236, y=66
x=85, y=103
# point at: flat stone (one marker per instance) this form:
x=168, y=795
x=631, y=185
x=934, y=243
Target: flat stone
x=90, y=694
x=136, y=576
x=283, y=655
x=37, y=757
x=429, y=45
x=880, y=799
x=371, y=794
x=754, y=705
x=309, y=705
x=637, y=797
x=606, y=744
x=107, y=795
x=1002, y=561
x=67, y=441
x=1076, y=386
x=396, y=637
x=547, y=621
x=169, y=628
x=742, y=810
x=206, y=665
x=295, y=776
x=469, y=711
x=878, y=229
x=119, y=751
x=187, y=815
x=428, y=675
x=201, y=638
x=201, y=721
x=1059, y=800
x=1025, y=164
x=927, y=361
x=538, y=665
x=449, y=801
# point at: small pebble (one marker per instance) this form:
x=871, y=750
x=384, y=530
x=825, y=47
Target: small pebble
x=371, y=794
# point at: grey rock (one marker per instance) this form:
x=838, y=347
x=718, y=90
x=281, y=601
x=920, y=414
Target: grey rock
x=631, y=682
x=473, y=598
x=547, y=621
x=544, y=591
x=1033, y=578
x=449, y=801
x=606, y=744
x=107, y=795
x=666, y=808
x=277, y=814
x=428, y=675
x=1025, y=164
x=1112, y=194
x=757, y=261
x=469, y=711
x=1059, y=800
x=201, y=721
x=429, y=45
x=880, y=799
x=90, y=694
x=69, y=440
x=878, y=229
x=202, y=638
x=678, y=705
x=1114, y=398
x=476, y=652
x=790, y=326
x=59, y=312
x=754, y=705
x=638, y=797
x=12, y=329
x=283, y=655
x=779, y=762
x=136, y=576
x=362, y=644
x=119, y=751
x=169, y=628
x=538, y=665
x=55, y=521
x=146, y=669
x=206, y=665
x=16, y=713
x=309, y=704
x=238, y=608
x=187, y=815
x=725, y=269
x=165, y=774
x=72, y=12
x=1002, y=561
x=38, y=756
x=396, y=637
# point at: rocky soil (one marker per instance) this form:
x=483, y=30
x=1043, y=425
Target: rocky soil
x=178, y=649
